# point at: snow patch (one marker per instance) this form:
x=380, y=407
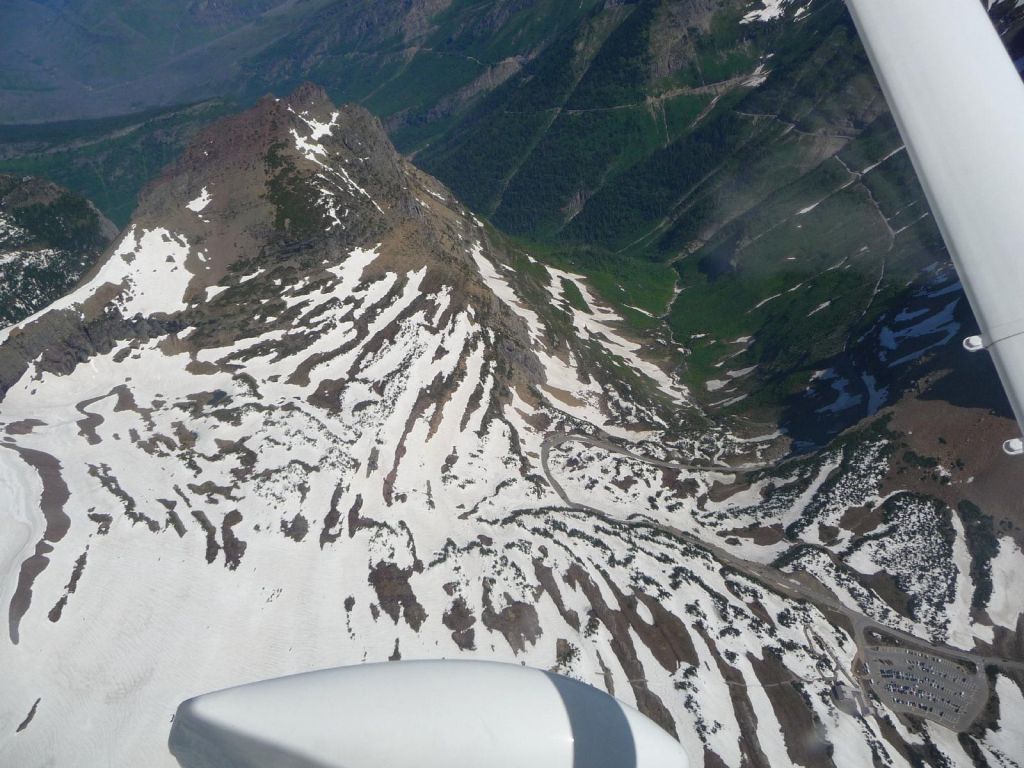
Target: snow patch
x=200, y=202
x=769, y=10
x=1005, y=604
x=214, y=291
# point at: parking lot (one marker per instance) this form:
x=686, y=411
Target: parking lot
x=910, y=681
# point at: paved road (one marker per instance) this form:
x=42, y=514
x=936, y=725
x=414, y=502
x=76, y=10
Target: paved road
x=783, y=583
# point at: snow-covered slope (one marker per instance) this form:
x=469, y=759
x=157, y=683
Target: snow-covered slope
x=301, y=416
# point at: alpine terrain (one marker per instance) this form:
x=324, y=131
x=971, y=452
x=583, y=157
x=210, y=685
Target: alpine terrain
x=49, y=237
x=721, y=170
x=308, y=411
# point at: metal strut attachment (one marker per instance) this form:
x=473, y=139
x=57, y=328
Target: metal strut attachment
x=974, y=344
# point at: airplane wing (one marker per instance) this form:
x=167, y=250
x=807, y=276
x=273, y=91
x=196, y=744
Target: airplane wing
x=959, y=104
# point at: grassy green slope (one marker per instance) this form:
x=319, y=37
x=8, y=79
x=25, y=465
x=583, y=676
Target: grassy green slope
x=777, y=201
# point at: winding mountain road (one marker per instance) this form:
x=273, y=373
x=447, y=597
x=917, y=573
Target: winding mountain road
x=786, y=584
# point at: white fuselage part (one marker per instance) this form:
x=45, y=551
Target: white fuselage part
x=959, y=104
x=419, y=714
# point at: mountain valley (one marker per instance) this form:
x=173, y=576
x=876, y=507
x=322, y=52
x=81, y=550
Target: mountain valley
x=614, y=339
x=303, y=414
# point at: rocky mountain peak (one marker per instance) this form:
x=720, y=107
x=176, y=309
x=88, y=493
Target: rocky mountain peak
x=268, y=211
x=287, y=167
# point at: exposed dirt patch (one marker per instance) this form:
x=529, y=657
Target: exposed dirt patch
x=72, y=585
x=212, y=546
x=173, y=521
x=22, y=599
x=395, y=595
x=90, y=422
x=355, y=521
x=23, y=427
x=763, y=536
x=666, y=637
x=862, y=520
x=55, y=491
x=234, y=547
x=1007, y=643
x=885, y=587
x=54, y=496
x=517, y=621
x=331, y=530
x=28, y=718
x=296, y=528
x=211, y=490
x=459, y=619
x=102, y=522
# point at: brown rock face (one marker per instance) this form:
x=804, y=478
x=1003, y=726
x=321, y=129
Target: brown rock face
x=395, y=593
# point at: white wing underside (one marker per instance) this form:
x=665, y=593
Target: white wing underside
x=959, y=104
x=419, y=714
